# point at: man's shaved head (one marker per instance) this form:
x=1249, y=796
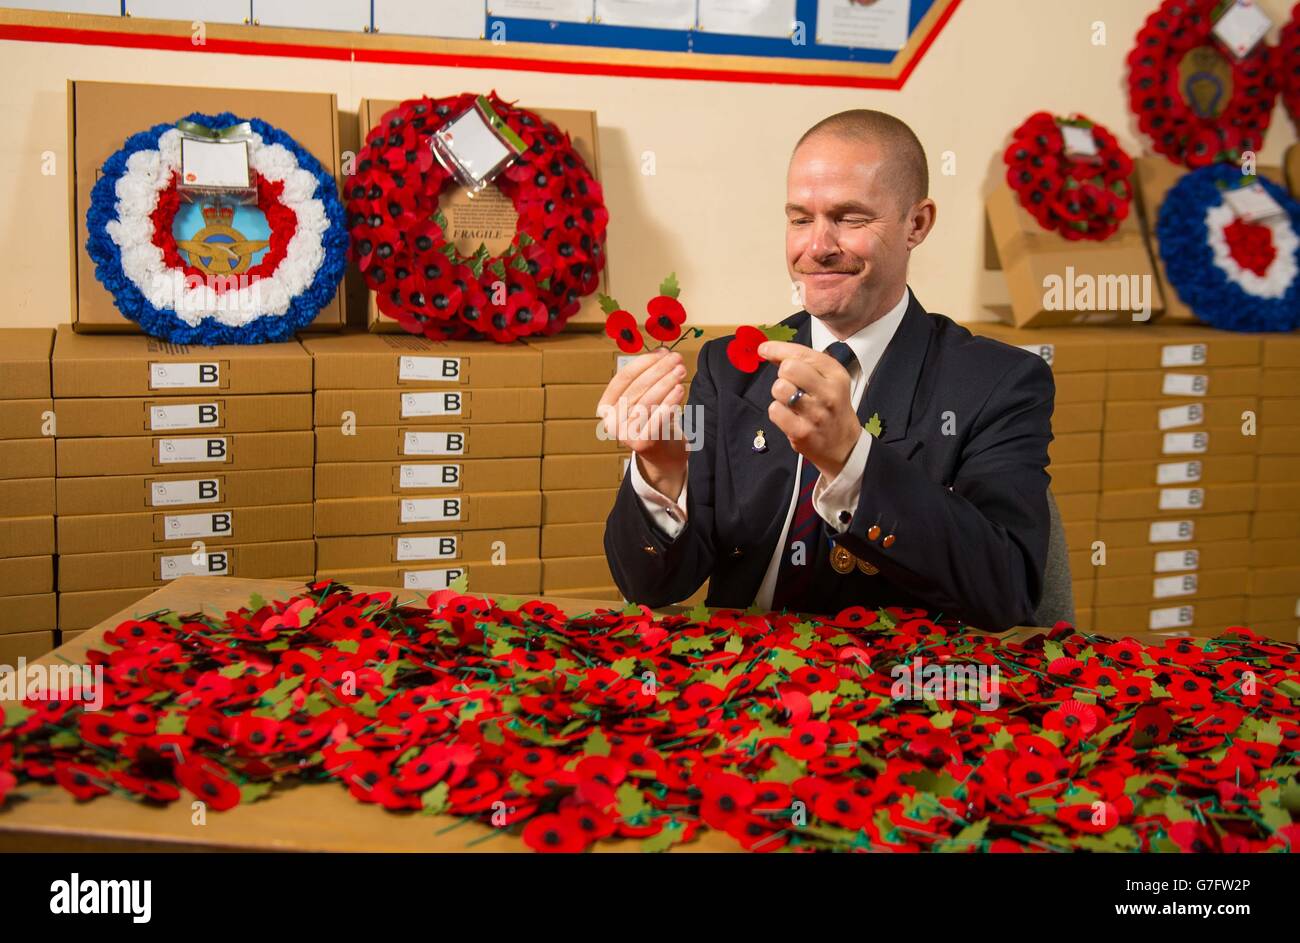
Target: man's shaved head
x=907, y=173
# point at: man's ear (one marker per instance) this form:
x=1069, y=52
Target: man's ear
x=920, y=220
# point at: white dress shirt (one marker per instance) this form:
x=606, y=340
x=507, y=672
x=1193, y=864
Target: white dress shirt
x=830, y=497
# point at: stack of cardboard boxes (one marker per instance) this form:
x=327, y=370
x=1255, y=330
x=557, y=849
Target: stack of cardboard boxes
x=27, y=603
x=1273, y=605
x=1078, y=362
x=428, y=463
x=175, y=460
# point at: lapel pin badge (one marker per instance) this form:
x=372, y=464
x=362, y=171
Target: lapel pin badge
x=760, y=443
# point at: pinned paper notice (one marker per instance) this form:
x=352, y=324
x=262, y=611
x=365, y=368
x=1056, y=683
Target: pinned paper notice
x=1241, y=27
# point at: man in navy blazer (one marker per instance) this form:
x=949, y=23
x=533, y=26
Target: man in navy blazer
x=882, y=456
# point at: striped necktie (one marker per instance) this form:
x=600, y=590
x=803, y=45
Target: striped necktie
x=792, y=578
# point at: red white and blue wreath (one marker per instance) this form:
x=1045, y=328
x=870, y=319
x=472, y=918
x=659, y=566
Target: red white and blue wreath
x=264, y=288
x=1233, y=274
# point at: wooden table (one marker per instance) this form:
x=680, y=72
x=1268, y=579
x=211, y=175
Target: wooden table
x=309, y=817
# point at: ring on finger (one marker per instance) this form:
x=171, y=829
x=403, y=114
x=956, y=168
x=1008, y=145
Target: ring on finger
x=794, y=397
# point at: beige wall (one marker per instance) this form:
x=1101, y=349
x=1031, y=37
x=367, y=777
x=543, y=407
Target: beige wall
x=712, y=211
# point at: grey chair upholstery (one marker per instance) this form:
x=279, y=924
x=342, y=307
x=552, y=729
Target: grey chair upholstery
x=1057, y=603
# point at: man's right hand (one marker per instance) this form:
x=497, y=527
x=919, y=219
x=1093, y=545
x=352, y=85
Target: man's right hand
x=637, y=408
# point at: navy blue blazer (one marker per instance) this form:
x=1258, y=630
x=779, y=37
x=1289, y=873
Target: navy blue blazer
x=957, y=477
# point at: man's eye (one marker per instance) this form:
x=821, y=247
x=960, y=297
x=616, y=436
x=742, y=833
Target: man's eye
x=800, y=221
x=855, y=220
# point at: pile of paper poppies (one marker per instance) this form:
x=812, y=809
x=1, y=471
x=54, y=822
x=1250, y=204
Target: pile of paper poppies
x=869, y=731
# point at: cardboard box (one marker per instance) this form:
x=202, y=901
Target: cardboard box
x=1167, y=588
x=1074, y=447
x=1066, y=349
x=1122, y=415
x=1196, y=616
x=119, y=569
x=102, y=114
x=142, y=455
x=1277, y=468
x=34, y=613
x=574, y=540
x=20, y=496
x=614, y=597
x=573, y=507
x=1202, y=470
x=1274, y=581
x=1076, y=417
x=566, y=574
x=25, y=418
x=1079, y=535
x=373, y=479
x=1282, y=350
x=574, y=357
x=566, y=472
x=136, y=365
x=26, y=576
x=412, y=442
x=97, y=533
x=341, y=517
x=86, y=609
x=432, y=407
x=357, y=361
x=1277, y=497
x=1275, y=381
x=1172, y=533
x=26, y=536
x=1125, y=445
x=1154, y=561
x=517, y=578
x=1273, y=608
x=491, y=211
x=1268, y=553
x=122, y=494
x=387, y=550
x=1288, y=630
x=1113, y=272
x=573, y=400
x=1275, y=526
x=1190, y=347
x=1161, y=384
x=1074, y=507
x=25, y=362
x=1081, y=591
x=1079, y=388
x=154, y=416
x=1278, y=440
x=1083, y=619
x=1153, y=177
x=26, y=458
x=1236, y=498
x=29, y=645
x=1280, y=411
x=577, y=437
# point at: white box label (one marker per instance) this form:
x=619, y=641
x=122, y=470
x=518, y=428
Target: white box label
x=428, y=548
x=1172, y=618
x=194, y=491
x=1182, y=355
x=184, y=416
x=430, y=579
x=216, y=524
x=1241, y=27
x=434, y=443
x=1181, y=499
x=1172, y=561
x=172, y=376
x=449, y=403
x=437, y=369
x=1046, y=351
x=429, y=476
x=216, y=563
x=1181, y=443
x=420, y=510
x=1164, y=587
x=1178, y=473
x=173, y=451
x=1175, y=417
x=1185, y=384
x=1169, y=532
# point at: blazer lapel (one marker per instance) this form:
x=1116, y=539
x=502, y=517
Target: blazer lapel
x=892, y=386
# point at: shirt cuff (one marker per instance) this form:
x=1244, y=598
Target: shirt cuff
x=836, y=500
x=668, y=515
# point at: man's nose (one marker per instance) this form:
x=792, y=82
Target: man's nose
x=823, y=243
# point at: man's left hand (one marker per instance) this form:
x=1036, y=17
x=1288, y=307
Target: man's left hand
x=822, y=426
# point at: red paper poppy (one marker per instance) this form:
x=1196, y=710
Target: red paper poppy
x=666, y=317
x=742, y=350
x=622, y=327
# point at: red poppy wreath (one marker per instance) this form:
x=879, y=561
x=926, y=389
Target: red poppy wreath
x=1080, y=195
x=420, y=278
x=1198, y=103
x=1288, y=47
